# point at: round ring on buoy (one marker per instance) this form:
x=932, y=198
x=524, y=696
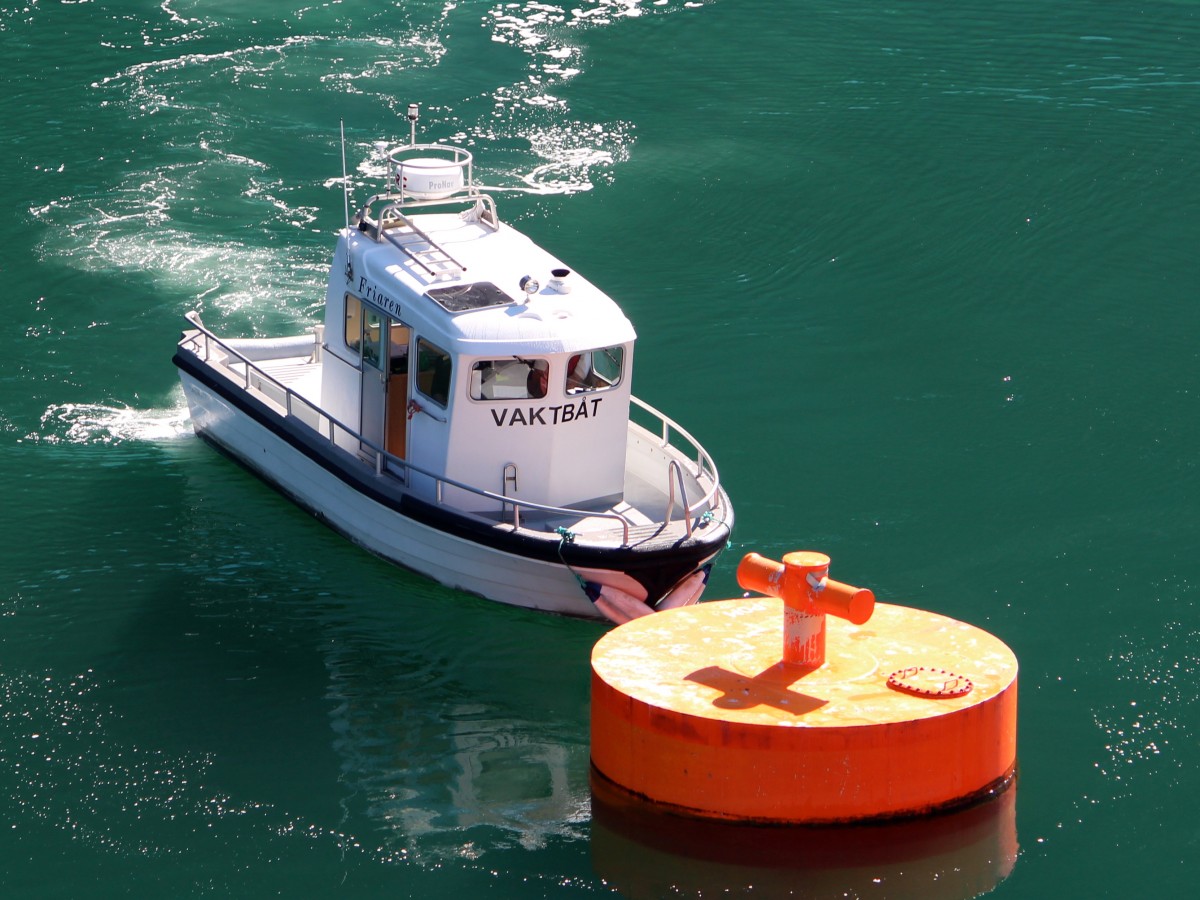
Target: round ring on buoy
x=925, y=681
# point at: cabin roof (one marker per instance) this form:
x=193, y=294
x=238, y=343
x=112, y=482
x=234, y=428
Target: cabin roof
x=492, y=314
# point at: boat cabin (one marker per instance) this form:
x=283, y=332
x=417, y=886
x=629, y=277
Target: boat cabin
x=453, y=342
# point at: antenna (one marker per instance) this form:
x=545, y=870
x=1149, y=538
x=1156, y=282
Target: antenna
x=345, y=177
x=414, y=113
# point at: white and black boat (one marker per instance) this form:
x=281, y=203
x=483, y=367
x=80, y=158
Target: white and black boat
x=465, y=411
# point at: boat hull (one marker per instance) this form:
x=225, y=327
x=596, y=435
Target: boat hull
x=371, y=510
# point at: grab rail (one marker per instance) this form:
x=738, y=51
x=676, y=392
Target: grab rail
x=383, y=460
x=674, y=467
x=704, y=465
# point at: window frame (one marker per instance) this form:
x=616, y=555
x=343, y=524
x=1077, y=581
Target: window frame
x=538, y=364
x=355, y=346
x=424, y=344
x=619, y=350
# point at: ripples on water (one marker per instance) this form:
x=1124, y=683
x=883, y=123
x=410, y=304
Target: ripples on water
x=196, y=95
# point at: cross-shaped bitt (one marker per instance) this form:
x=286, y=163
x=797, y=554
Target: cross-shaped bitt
x=802, y=582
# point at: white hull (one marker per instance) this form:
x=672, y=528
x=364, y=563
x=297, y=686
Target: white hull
x=447, y=559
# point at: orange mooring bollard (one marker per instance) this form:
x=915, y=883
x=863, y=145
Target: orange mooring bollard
x=802, y=582
x=694, y=710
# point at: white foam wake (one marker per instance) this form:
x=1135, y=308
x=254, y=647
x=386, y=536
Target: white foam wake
x=96, y=423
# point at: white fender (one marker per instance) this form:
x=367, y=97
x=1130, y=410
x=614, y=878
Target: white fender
x=686, y=592
x=610, y=577
x=273, y=348
x=615, y=603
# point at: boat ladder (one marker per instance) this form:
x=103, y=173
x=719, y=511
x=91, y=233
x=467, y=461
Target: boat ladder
x=418, y=246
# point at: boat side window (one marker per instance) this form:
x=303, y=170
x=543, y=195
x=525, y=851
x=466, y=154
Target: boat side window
x=372, y=338
x=509, y=379
x=433, y=372
x=596, y=370
x=353, y=323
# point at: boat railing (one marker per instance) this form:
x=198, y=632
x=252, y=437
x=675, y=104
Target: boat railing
x=393, y=209
x=673, y=468
x=485, y=203
x=672, y=436
x=329, y=427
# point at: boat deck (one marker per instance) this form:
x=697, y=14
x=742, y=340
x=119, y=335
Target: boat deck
x=298, y=373
x=643, y=506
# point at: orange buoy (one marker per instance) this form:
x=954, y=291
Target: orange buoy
x=880, y=712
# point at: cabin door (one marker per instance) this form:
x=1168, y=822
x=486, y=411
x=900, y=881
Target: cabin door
x=385, y=383
x=396, y=416
x=374, y=380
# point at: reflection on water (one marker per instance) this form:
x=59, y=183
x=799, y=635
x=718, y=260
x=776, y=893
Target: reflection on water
x=645, y=853
x=437, y=772
x=434, y=755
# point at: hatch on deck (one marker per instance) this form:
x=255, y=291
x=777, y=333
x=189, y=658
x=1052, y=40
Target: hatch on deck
x=468, y=297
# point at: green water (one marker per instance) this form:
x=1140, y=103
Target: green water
x=921, y=277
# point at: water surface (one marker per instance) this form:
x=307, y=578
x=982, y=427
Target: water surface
x=922, y=278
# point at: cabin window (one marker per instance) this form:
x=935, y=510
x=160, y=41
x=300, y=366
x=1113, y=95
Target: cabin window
x=509, y=379
x=596, y=370
x=433, y=372
x=353, y=323
x=398, y=348
x=372, y=338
